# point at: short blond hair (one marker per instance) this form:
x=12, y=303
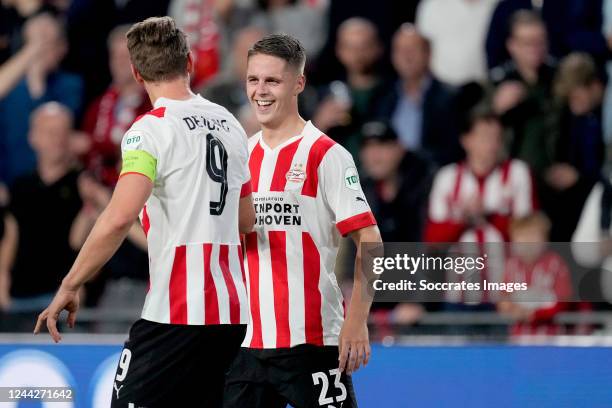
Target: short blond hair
x=158, y=49
x=576, y=70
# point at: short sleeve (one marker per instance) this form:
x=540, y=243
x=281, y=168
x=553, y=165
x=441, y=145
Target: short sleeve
x=243, y=165
x=140, y=154
x=341, y=188
x=244, y=157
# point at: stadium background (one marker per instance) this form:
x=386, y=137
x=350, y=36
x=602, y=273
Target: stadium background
x=419, y=69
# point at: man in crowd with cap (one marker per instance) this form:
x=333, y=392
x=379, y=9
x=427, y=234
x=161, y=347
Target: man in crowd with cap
x=396, y=183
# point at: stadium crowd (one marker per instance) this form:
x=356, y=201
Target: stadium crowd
x=469, y=120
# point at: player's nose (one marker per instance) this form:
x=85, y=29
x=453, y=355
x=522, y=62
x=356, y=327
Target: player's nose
x=262, y=89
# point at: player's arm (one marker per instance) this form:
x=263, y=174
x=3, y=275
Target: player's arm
x=246, y=210
x=354, y=344
x=108, y=233
x=137, y=236
x=246, y=214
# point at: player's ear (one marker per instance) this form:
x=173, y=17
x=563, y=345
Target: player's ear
x=190, y=63
x=137, y=75
x=300, y=84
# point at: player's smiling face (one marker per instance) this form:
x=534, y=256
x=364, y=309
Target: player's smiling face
x=272, y=87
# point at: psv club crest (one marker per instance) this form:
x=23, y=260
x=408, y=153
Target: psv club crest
x=296, y=174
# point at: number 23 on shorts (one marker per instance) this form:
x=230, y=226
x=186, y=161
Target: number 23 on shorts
x=322, y=378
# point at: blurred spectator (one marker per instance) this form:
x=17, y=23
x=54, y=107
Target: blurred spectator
x=580, y=91
x=396, y=183
x=545, y=272
x=111, y=114
x=13, y=70
x=420, y=107
x=44, y=204
x=473, y=200
x=304, y=21
x=592, y=239
x=40, y=81
x=457, y=31
x=348, y=105
x=88, y=24
x=573, y=25
x=524, y=92
x=387, y=16
x=197, y=18
x=229, y=90
x=499, y=27
x=122, y=284
x=230, y=15
x=13, y=16
x=579, y=148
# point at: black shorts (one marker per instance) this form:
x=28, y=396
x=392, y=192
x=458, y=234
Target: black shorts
x=167, y=365
x=304, y=376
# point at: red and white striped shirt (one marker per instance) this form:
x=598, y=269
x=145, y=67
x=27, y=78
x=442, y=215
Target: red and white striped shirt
x=505, y=192
x=307, y=194
x=550, y=289
x=191, y=218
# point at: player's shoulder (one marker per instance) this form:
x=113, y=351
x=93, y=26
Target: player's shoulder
x=323, y=148
x=151, y=126
x=150, y=120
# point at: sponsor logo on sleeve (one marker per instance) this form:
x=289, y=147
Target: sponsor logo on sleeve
x=351, y=178
x=132, y=140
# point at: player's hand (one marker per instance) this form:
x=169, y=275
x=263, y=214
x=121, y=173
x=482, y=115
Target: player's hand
x=508, y=95
x=65, y=299
x=354, y=346
x=473, y=211
x=331, y=113
x=522, y=314
x=38, y=32
x=562, y=176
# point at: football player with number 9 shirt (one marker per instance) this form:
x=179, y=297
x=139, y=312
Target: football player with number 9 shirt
x=185, y=173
